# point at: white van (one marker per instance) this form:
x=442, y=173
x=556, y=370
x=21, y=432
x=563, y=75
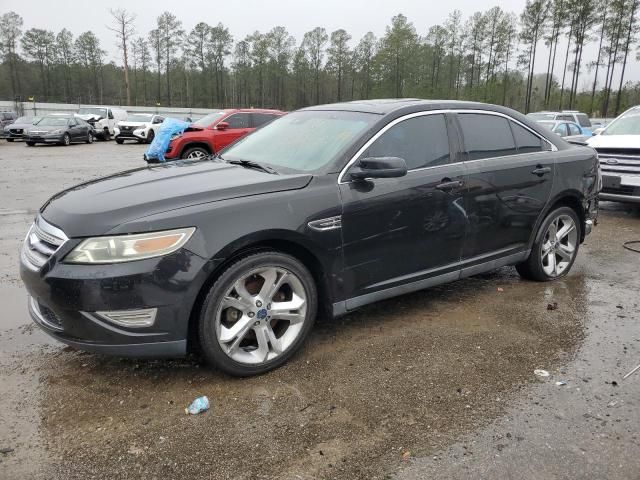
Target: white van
x=103, y=119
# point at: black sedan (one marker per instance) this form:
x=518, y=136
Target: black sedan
x=59, y=129
x=325, y=209
x=15, y=130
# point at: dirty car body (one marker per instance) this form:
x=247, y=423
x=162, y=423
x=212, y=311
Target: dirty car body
x=343, y=204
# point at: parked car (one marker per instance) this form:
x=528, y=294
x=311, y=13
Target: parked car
x=566, y=115
x=215, y=131
x=59, y=128
x=570, y=131
x=7, y=118
x=140, y=127
x=15, y=130
x=102, y=119
x=331, y=207
x=618, y=147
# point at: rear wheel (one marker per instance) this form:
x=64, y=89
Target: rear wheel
x=30, y=144
x=555, y=248
x=9, y=139
x=119, y=141
x=257, y=313
x=195, y=153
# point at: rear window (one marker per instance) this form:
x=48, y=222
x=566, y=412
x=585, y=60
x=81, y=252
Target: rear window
x=526, y=141
x=486, y=136
x=565, y=117
x=583, y=120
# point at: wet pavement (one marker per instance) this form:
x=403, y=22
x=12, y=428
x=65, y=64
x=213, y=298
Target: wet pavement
x=435, y=384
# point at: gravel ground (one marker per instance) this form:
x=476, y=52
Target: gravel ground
x=435, y=384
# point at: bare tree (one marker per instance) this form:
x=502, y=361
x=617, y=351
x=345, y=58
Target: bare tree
x=124, y=30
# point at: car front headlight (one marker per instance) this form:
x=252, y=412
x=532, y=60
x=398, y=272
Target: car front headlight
x=127, y=248
x=55, y=132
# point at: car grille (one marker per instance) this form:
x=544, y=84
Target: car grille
x=45, y=315
x=620, y=190
x=42, y=241
x=16, y=131
x=619, y=160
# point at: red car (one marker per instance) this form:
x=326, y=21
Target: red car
x=212, y=133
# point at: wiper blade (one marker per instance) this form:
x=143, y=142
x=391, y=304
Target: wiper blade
x=251, y=164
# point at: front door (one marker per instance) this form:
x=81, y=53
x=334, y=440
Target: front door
x=399, y=231
x=510, y=174
x=239, y=126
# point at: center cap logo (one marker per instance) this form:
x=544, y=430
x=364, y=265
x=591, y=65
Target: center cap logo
x=262, y=314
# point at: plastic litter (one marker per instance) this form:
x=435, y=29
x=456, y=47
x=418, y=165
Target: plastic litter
x=541, y=373
x=560, y=383
x=199, y=405
x=158, y=146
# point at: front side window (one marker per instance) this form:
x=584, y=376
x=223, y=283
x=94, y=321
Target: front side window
x=583, y=120
x=238, y=120
x=260, y=119
x=573, y=129
x=304, y=141
x=486, y=136
x=526, y=141
x=420, y=141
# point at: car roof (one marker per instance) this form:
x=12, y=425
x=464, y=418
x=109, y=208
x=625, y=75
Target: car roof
x=252, y=110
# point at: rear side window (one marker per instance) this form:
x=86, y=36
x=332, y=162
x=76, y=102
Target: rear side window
x=260, y=119
x=420, y=141
x=238, y=120
x=583, y=120
x=486, y=136
x=573, y=129
x=526, y=141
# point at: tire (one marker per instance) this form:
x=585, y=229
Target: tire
x=194, y=153
x=119, y=141
x=30, y=144
x=10, y=139
x=106, y=136
x=89, y=138
x=66, y=140
x=151, y=136
x=238, y=295
x=553, y=252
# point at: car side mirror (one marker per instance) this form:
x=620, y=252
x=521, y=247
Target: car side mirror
x=222, y=126
x=379, y=167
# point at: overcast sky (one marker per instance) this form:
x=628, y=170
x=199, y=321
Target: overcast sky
x=243, y=17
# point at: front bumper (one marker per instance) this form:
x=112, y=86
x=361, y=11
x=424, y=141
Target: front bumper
x=131, y=134
x=66, y=301
x=620, y=188
x=44, y=138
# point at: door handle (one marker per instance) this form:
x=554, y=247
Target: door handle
x=448, y=185
x=541, y=170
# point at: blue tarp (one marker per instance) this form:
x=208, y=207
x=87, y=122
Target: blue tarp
x=158, y=146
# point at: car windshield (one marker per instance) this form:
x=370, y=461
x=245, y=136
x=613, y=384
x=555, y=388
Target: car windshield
x=93, y=111
x=24, y=120
x=547, y=123
x=139, y=118
x=54, y=121
x=627, y=125
x=541, y=116
x=304, y=141
x=208, y=119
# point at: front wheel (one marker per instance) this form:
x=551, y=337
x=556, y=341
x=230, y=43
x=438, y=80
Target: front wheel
x=151, y=136
x=555, y=248
x=257, y=313
x=194, y=153
x=106, y=135
x=9, y=139
x=66, y=140
x=30, y=144
x=119, y=141
x=89, y=137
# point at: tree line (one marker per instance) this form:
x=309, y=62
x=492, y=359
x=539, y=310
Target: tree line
x=492, y=56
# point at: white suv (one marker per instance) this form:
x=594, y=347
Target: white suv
x=566, y=116
x=141, y=127
x=103, y=119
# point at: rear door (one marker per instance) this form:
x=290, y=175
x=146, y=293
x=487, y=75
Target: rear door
x=510, y=172
x=75, y=131
x=239, y=126
x=398, y=231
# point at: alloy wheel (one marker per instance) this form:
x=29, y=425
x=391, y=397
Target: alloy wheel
x=261, y=315
x=196, y=154
x=558, y=247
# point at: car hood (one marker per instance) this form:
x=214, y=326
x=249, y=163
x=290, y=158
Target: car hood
x=98, y=206
x=89, y=116
x=19, y=125
x=46, y=128
x=615, y=141
x=133, y=124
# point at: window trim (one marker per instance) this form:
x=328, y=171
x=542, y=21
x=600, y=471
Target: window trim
x=361, y=150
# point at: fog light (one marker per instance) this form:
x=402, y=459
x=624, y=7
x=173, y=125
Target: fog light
x=130, y=318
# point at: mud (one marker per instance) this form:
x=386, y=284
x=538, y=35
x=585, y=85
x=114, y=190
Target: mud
x=436, y=384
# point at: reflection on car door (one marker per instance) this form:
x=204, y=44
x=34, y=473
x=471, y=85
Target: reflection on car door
x=403, y=232
x=510, y=174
